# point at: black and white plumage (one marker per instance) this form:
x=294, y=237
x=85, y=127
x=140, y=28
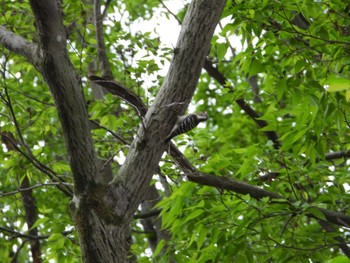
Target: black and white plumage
x=187, y=123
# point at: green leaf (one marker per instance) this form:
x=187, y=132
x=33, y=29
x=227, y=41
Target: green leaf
x=255, y=67
x=194, y=214
x=337, y=83
x=159, y=248
x=316, y=212
x=221, y=50
x=40, y=222
x=339, y=259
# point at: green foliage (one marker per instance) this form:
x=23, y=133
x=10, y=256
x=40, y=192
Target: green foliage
x=302, y=71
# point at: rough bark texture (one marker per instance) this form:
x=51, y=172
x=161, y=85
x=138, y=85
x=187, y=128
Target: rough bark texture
x=172, y=100
x=99, y=240
x=67, y=92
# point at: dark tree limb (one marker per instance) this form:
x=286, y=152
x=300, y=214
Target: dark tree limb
x=150, y=213
x=101, y=48
x=122, y=92
x=337, y=155
x=214, y=73
x=342, y=243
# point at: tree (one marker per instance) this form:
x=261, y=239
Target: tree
x=84, y=134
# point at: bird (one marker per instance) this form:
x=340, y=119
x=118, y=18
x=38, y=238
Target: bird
x=186, y=123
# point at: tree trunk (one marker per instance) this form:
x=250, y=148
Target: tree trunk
x=103, y=212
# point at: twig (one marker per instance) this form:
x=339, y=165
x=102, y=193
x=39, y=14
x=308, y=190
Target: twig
x=214, y=73
x=117, y=136
x=170, y=12
x=150, y=213
x=51, y=174
x=32, y=187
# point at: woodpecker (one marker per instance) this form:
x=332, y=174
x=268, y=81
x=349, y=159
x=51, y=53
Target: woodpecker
x=187, y=123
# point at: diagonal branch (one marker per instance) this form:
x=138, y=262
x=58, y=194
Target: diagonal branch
x=214, y=73
x=119, y=90
x=8, y=139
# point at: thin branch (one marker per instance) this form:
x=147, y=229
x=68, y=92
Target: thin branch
x=33, y=187
x=150, y=213
x=214, y=73
x=15, y=256
x=170, y=12
x=51, y=174
x=101, y=48
x=105, y=10
x=122, y=92
x=115, y=135
x=16, y=234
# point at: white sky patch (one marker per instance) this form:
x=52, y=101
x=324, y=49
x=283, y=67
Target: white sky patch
x=120, y=158
x=4, y=148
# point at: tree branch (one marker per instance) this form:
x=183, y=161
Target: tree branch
x=122, y=92
x=225, y=183
x=32, y=187
x=18, y=234
x=20, y=46
x=337, y=155
x=9, y=141
x=101, y=48
x=150, y=213
x=214, y=73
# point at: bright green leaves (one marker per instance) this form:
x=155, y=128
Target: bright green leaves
x=336, y=83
